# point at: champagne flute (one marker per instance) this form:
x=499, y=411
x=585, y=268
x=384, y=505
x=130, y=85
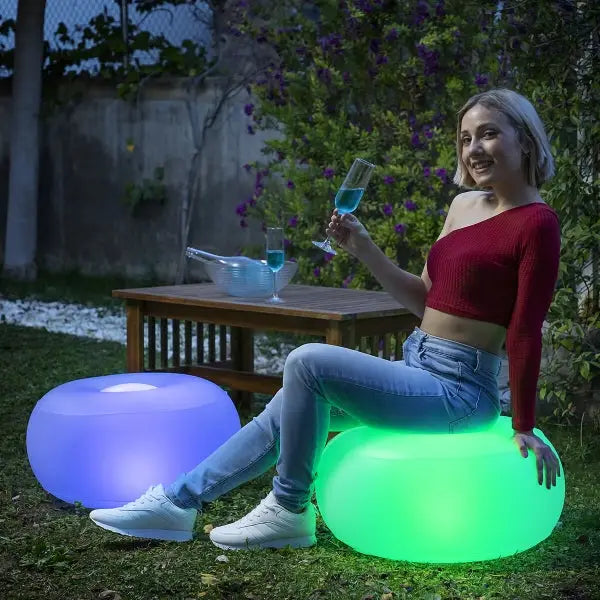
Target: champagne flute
x=349, y=194
x=275, y=257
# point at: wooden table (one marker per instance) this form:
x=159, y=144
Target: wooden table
x=364, y=320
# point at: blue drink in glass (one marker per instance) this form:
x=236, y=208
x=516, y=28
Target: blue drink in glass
x=275, y=256
x=275, y=260
x=349, y=194
x=346, y=200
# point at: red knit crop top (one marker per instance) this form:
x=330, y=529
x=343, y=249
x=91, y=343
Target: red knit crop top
x=503, y=270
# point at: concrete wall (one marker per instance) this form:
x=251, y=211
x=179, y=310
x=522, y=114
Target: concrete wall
x=84, y=223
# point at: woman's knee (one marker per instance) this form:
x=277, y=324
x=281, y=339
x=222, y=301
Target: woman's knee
x=302, y=357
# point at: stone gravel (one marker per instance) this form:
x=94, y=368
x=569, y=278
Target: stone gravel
x=111, y=325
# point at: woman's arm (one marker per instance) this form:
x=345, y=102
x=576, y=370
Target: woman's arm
x=408, y=289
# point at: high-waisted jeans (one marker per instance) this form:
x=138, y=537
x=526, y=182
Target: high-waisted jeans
x=439, y=386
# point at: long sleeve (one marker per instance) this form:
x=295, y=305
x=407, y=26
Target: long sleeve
x=537, y=275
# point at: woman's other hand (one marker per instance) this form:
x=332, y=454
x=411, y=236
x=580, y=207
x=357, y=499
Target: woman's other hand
x=544, y=457
x=349, y=233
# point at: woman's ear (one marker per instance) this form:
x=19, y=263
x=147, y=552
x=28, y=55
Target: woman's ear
x=526, y=144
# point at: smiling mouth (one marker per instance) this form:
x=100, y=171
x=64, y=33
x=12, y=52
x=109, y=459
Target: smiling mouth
x=481, y=166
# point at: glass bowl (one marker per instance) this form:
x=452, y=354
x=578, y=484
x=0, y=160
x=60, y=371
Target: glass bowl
x=248, y=281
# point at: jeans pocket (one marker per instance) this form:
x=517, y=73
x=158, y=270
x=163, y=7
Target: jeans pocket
x=446, y=369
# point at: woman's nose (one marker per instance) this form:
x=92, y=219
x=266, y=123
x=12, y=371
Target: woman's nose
x=474, y=147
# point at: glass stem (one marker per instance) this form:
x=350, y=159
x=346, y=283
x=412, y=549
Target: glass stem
x=275, y=296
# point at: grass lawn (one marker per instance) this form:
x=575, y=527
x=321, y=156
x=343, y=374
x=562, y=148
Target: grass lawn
x=50, y=550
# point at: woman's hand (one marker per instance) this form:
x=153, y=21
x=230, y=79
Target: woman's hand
x=349, y=233
x=544, y=457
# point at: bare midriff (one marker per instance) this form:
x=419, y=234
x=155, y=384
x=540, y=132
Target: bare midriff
x=479, y=334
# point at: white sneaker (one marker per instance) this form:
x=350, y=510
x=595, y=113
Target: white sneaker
x=152, y=515
x=269, y=525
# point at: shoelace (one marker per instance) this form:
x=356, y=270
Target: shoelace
x=260, y=511
x=145, y=498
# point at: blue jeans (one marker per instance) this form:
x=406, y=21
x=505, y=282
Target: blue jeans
x=439, y=386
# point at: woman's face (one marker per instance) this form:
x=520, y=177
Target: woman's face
x=491, y=151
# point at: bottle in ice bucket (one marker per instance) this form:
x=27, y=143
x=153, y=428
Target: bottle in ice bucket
x=236, y=275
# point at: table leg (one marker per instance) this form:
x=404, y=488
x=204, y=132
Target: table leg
x=341, y=334
x=242, y=357
x=135, y=337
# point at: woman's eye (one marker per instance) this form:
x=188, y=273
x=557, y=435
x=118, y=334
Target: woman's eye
x=489, y=133
x=466, y=141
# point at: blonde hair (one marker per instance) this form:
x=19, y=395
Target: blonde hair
x=538, y=162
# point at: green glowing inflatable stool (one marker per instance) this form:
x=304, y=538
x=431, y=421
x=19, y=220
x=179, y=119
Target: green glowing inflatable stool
x=443, y=498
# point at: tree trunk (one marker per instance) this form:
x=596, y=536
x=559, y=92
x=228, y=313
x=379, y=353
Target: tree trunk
x=21, y=220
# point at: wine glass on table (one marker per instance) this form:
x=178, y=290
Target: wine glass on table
x=349, y=194
x=275, y=257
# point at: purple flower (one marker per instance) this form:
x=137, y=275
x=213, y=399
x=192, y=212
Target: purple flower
x=293, y=221
x=441, y=212
x=382, y=59
x=410, y=206
x=248, y=108
x=374, y=45
x=429, y=58
x=286, y=243
x=392, y=35
x=422, y=12
x=243, y=223
x=400, y=228
x=241, y=209
x=428, y=133
x=247, y=167
x=348, y=280
x=480, y=80
x=414, y=140
x=442, y=174
x=389, y=179
x=324, y=75
x=328, y=173
x=317, y=272
x=426, y=171
x=328, y=257
x=252, y=201
x=439, y=9
x=364, y=5
x=290, y=184
x=331, y=42
x=388, y=209
x=346, y=77
x=250, y=130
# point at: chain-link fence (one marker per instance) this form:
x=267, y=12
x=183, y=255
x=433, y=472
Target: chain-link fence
x=69, y=22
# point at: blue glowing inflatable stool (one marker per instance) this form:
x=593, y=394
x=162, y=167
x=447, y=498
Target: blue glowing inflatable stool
x=442, y=498
x=103, y=441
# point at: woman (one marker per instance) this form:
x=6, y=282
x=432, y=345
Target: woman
x=489, y=278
